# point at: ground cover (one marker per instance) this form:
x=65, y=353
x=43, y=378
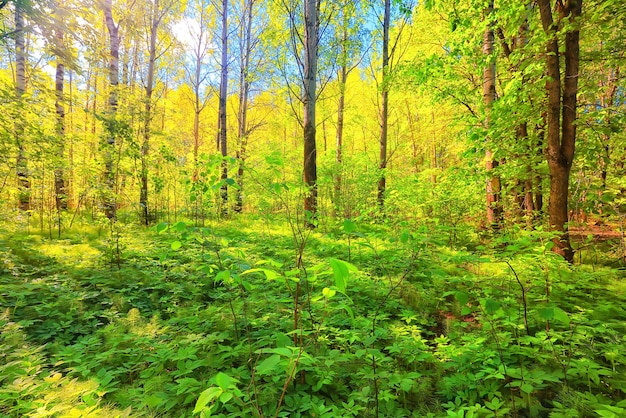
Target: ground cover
x=250, y=317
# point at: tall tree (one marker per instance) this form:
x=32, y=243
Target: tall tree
x=384, y=107
x=21, y=164
x=390, y=55
x=494, y=203
x=110, y=200
x=157, y=12
x=198, y=71
x=311, y=44
x=348, y=40
x=562, y=90
x=246, y=44
x=60, y=191
x=222, y=143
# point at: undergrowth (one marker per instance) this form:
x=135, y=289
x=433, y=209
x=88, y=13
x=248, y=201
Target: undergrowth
x=241, y=319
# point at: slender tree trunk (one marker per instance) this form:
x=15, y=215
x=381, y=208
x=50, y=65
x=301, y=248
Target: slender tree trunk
x=59, y=181
x=538, y=186
x=494, y=186
x=384, y=110
x=343, y=76
x=561, y=115
x=244, y=89
x=222, y=107
x=145, y=146
x=311, y=39
x=110, y=204
x=21, y=163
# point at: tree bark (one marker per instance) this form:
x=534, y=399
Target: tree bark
x=222, y=107
x=110, y=204
x=384, y=111
x=244, y=90
x=155, y=20
x=561, y=115
x=311, y=40
x=494, y=185
x=60, y=191
x=21, y=163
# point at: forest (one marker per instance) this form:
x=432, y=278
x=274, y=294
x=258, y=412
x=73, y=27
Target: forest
x=312, y=208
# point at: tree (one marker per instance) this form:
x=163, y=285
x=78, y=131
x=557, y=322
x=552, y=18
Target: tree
x=157, y=12
x=348, y=40
x=389, y=52
x=384, y=107
x=60, y=190
x=21, y=164
x=197, y=70
x=311, y=44
x=110, y=204
x=222, y=143
x=561, y=89
x=247, y=42
x=494, y=204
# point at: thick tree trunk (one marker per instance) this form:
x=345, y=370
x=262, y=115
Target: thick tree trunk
x=384, y=111
x=21, y=163
x=110, y=204
x=561, y=115
x=311, y=21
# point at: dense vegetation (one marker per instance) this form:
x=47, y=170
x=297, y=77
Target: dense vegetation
x=419, y=322
x=312, y=208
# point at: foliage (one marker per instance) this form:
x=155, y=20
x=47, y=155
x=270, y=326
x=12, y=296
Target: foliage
x=201, y=321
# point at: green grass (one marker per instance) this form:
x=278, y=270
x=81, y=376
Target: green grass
x=147, y=322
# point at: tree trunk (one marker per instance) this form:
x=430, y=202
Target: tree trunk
x=155, y=20
x=60, y=191
x=561, y=115
x=343, y=76
x=222, y=107
x=244, y=89
x=494, y=186
x=110, y=204
x=384, y=111
x=311, y=21
x=21, y=163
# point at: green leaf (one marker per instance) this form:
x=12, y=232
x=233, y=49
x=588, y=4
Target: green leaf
x=546, y=314
x=328, y=293
x=222, y=276
x=561, y=316
x=341, y=272
x=348, y=226
x=162, y=227
x=205, y=397
x=268, y=365
x=282, y=340
x=406, y=385
x=491, y=306
x=461, y=297
x=179, y=226
x=466, y=310
x=176, y=245
x=224, y=381
x=269, y=274
x=527, y=388
x=225, y=397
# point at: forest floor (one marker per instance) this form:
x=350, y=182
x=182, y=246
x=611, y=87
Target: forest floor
x=249, y=318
